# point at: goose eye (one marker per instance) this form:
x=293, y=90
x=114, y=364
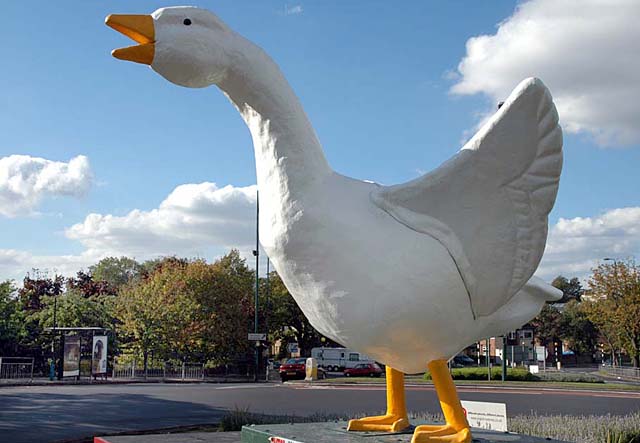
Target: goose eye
x=187, y=22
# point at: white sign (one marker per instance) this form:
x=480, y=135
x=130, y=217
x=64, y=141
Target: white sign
x=257, y=336
x=281, y=440
x=534, y=369
x=99, y=355
x=484, y=415
x=541, y=353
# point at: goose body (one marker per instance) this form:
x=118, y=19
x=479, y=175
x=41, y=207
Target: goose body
x=408, y=274
x=399, y=299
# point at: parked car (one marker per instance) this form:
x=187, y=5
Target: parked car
x=463, y=360
x=293, y=369
x=364, y=370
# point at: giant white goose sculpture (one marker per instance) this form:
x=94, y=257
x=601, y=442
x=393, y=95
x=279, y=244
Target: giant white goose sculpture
x=408, y=274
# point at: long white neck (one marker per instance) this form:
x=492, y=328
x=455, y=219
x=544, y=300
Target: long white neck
x=289, y=157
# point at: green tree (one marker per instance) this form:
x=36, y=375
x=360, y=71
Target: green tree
x=75, y=310
x=142, y=309
x=577, y=330
x=36, y=289
x=12, y=330
x=75, y=302
x=571, y=289
x=547, y=324
x=117, y=271
x=189, y=310
x=614, y=293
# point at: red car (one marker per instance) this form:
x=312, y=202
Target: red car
x=364, y=370
x=293, y=369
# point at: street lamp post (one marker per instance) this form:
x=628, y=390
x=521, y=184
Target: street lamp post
x=255, y=299
x=504, y=358
x=52, y=365
x=488, y=350
x=615, y=273
x=267, y=302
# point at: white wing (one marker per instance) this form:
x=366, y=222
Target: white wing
x=489, y=204
x=522, y=307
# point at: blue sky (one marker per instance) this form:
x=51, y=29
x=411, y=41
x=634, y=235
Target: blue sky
x=376, y=80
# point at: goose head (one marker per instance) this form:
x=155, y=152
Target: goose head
x=186, y=45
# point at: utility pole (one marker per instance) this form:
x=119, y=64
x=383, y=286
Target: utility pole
x=52, y=366
x=255, y=299
x=267, y=302
x=504, y=358
x=488, y=359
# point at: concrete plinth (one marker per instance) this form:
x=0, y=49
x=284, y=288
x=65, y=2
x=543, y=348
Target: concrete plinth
x=336, y=432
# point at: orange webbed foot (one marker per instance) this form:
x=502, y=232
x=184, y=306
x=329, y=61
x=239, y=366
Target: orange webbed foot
x=379, y=423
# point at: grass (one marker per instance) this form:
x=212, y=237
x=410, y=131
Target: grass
x=236, y=419
x=579, y=429
x=584, y=429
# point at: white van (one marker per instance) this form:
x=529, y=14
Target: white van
x=338, y=359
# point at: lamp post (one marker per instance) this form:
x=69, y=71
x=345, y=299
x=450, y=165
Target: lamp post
x=256, y=253
x=268, y=307
x=52, y=365
x=615, y=273
x=488, y=350
x=504, y=358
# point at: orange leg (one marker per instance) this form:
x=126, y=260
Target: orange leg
x=395, y=419
x=456, y=429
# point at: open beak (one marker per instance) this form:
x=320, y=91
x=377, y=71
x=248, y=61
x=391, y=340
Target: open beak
x=139, y=28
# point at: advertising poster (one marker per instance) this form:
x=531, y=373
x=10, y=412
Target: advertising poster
x=99, y=355
x=71, y=365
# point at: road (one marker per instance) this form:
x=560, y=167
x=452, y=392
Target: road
x=50, y=413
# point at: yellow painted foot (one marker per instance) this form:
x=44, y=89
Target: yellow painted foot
x=379, y=423
x=441, y=434
x=396, y=419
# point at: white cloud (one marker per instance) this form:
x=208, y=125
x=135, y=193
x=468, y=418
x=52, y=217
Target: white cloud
x=25, y=181
x=14, y=264
x=293, y=10
x=577, y=245
x=191, y=221
x=202, y=220
x=195, y=220
x=586, y=53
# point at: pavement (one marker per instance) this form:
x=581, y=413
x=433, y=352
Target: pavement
x=328, y=432
x=44, y=381
x=192, y=437
x=55, y=413
x=336, y=432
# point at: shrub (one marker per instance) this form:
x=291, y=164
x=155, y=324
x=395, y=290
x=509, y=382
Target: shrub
x=570, y=377
x=480, y=373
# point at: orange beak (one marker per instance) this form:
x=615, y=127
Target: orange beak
x=140, y=29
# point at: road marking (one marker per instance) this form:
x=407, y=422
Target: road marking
x=246, y=387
